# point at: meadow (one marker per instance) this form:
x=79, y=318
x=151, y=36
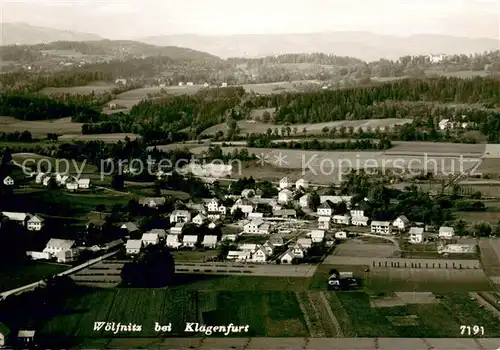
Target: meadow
x=51, y=164
x=28, y=273
x=40, y=128
x=97, y=88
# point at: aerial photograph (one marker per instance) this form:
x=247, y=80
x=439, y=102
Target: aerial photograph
x=280, y=174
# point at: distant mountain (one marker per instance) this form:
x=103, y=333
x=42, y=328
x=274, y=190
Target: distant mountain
x=364, y=45
x=25, y=34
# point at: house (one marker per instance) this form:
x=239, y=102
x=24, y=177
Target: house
x=209, y=241
x=189, y=241
x=26, y=337
x=189, y=83
x=284, y=196
x=152, y=202
x=213, y=205
x=245, y=205
x=121, y=81
x=416, y=235
x=20, y=218
x=230, y=238
x=223, y=85
x=304, y=201
x=150, y=239
x=324, y=223
x=316, y=235
x=252, y=216
x=256, y=226
x=284, y=183
x=4, y=335
x=177, y=229
x=35, y=223
x=260, y=255
x=247, y=247
x=268, y=247
x=8, y=181
x=214, y=215
x=247, y=193
x=288, y=257
x=460, y=246
x=360, y=209
x=158, y=231
x=342, y=219
x=285, y=213
x=130, y=227
x=445, y=124
x=359, y=220
x=401, y=222
x=326, y=209
x=199, y=219
x=96, y=224
x=382, y=227
x=72, y=186
x=67, y=256
x=305, y=242
x=181, y=83
x=173, y=241
x=133, y=246
x=341, y=235
x=180, y=216
x=301, y=183
x=39, y=177
x=56, y=245
x=83, y=183
x=239, y=255
x=446, y=232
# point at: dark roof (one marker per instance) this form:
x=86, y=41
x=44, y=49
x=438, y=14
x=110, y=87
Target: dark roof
x=363, y=205
x=327, y=204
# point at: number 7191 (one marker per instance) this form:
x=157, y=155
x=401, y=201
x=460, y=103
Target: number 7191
x=471, y=330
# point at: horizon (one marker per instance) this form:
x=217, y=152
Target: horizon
x=119, y=20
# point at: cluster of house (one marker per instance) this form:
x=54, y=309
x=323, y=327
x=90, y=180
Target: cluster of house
x=63, y=180
x=63, y=250
x=29, y=221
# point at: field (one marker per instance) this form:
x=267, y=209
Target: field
x=311, y=129
x=53, y=164
x=108, y=138
x=40, y=128
x=27, y=274
x=266, y=313
x=435, y=148
x=353, y=249
x=459, y=74
x=98, y=88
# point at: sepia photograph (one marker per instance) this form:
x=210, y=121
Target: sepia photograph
x=280, y=174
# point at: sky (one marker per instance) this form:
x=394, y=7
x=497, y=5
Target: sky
x=130, y=19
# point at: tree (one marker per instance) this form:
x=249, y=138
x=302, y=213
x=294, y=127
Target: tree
x=314, y=200
x=223, y=250
x=460, y=227
x=483, y=229
x=157, y=189
x=6, y=157
x=154, y=267
x=117, y=182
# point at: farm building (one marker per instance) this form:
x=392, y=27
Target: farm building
x=461, y=246
x=130, y=227
x=305, y=242
x=189, y=240
x=359, y=220
x=247, y=247
x=199, y=219
x=285, y=213
x=257, y=226
x=84, y=183
x=252, y=216
x=67, y=256
x=133, y=246
x=20, y=218
x=56, y=246
x=316, y=235
x=150, y=239
x=239, y=255
x=268, y=247
x=336, y=199
x=158, y=231
x=304, y=201
x=26, y=337
x=288, y=256
x=4, y=335
x=177, y=229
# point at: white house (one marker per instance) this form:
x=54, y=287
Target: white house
x=8, y=181
x=199, y=219
x=177, y=229
x=150, y=239
x=268, y=247
x=20, y=218
x=253, y=216
x=342, y=219
x=326, y=209
x=284, y=196
x=173, y=241
x=247, y=247
x=209, y=241
x=304, y=201
x=288, y=256
x=284, y=183
x=230, y=238
x=152, y=202
x=324, y=223
x=260, y=255
x=247, y=193
x=130, y=227
x=213, y=205
x=359, y=220
x=301, y=183
x=245, y=205
x=67, y=256
x=180, y=216
x=35, y=223
x=382, y=227
x=256, y=226
x=56, y=245
x=446, y=232
x=416, y=235
x=305, y=242
x=133, y=246
x=341, y=235
x=84, y=183
x=239, y=255
x=189, y=241
x=316, y=235
x=402, y=223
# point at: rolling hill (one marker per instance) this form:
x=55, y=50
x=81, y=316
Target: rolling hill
x=25, y=34
x=363, y=45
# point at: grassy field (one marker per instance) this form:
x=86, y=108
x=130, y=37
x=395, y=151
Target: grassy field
x=40, y=128
x=27, y=274
x=311, y=129
x=417, y=320
x=108, y=138
x=54, y=165
x=266, y=313
x=98, y=88
x=459, y=74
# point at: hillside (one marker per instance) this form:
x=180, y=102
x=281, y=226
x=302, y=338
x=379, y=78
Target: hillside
x=363, y=45
x=25, y=34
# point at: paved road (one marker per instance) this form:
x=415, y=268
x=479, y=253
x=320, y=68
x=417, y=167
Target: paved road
x=300, y=343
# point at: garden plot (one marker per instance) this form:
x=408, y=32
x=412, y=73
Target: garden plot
x=353, y=249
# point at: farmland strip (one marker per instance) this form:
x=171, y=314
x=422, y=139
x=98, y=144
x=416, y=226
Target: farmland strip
x=310, y=316
x=486, y=302
x=342, y=316
x=319, y=305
